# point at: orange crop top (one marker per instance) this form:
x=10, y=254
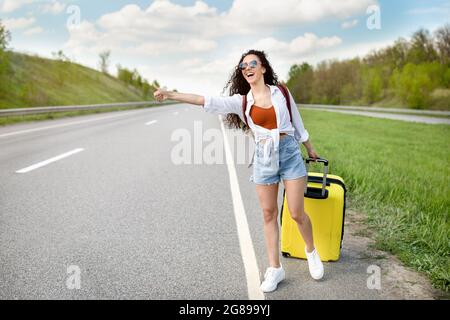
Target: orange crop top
x=264, y=117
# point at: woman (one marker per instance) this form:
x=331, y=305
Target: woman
x=277, y=152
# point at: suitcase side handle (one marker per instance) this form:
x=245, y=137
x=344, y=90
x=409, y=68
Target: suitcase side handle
x=325, y=172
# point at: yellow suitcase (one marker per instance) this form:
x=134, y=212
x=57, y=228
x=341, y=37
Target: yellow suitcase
x=325, y=205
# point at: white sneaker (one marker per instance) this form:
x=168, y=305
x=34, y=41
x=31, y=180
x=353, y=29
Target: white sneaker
x=272, y=278
x=315, y=264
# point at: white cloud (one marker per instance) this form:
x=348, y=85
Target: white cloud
x=349, y=24
x=167, y=29
x=208, y=76
x=162, y=18
x=18, y=23
x=7, y=6
x=191, y=45
x=85, y=40
x=54, y=7
x=306, y=44
x=282, y=55
x=162, y=28
x=293, y=12
x=175, y=28
x=32, y=31
x=184, y=81
x=187, y=63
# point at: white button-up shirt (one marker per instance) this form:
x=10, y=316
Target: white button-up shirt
x=233, y=104
x=271, y=138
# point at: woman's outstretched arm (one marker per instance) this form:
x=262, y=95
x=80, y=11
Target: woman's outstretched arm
x=213, y=104
x=161, y=94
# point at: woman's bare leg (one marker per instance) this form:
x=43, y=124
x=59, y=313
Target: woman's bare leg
x=268, y=198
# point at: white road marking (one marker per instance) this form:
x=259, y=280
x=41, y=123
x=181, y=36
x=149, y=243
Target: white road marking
x=151, y=122
x=175, y=113
x=245, y=240
x=48, y=161
x=62, y=125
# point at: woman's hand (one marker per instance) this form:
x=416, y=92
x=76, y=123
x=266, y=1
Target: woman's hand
x=312, y=154
x=164, y=94
x=161, y=94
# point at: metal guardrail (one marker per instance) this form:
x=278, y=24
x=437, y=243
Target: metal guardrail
x=38, y=110
x=377, y=109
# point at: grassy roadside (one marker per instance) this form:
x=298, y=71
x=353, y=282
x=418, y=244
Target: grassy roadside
x=398, y=173
x=4, y=121
x=35, y=81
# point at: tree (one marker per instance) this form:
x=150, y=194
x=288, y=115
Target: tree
x=124, y=75
x=373, y=85
x=351, y=84
x=59, y=55
x=104, y=60
x=155, y=84
x=422, y=48
x=398, y=53
x=5, y=37
x=300, y=82
x=442, y=36
x=146, y=89
x=133, y=78
x=414, y=84
x=137, y=79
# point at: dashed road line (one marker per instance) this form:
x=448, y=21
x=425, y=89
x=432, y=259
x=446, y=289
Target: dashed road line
x=151, y=122
x=48, y=161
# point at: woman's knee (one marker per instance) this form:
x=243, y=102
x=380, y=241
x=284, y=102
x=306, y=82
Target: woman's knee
x=299, y=216
x=270, y=214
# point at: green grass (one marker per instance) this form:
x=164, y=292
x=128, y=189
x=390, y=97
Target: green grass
x=397, y=173
x=34, y=81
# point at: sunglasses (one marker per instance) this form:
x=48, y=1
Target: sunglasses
x=252, y=64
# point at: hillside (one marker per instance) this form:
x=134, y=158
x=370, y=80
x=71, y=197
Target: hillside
x=34, y=81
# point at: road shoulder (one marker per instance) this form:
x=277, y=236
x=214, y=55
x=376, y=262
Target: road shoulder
x=397, y=280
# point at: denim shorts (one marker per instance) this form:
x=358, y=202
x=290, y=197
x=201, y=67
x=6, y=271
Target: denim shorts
x=291, y=165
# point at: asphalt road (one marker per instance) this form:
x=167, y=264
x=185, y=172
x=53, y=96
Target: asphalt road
x=137, y=225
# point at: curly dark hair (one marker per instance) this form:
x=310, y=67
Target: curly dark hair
x=238, y=85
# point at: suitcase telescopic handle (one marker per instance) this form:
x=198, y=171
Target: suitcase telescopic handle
x=323, y=160
x=325, y=171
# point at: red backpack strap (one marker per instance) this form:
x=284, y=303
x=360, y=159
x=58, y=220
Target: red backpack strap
x=244, y=107
x=285, y=92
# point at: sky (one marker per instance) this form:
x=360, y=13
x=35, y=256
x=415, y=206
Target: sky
x=194, y=46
